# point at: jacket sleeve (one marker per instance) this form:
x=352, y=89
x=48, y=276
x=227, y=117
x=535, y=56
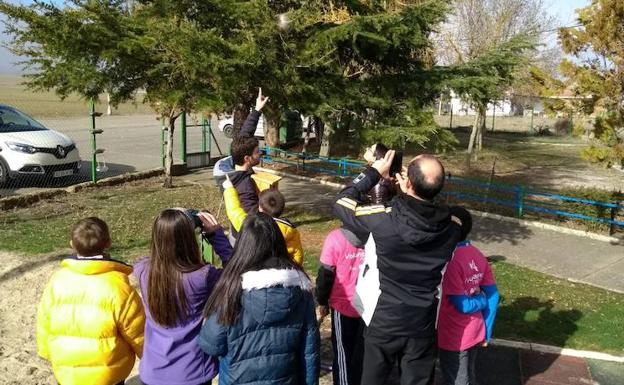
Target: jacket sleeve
x=324, y=284
x=221, y=245
x=213, y=337
x=43, y=323
x=249, y=126
x=489, y=313
x=131, y=322
x=295, y=246
x=467, y=304
x=310, y=354
x=353, y=213
x=248, y=195
x=233, y=209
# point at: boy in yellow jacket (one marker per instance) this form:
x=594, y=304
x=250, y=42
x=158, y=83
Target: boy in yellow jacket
x=90, y=321
x=271, y=202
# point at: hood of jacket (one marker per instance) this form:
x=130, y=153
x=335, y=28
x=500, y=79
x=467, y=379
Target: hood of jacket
x=95, y=266
x=270, y=295
x=356, y=240
x=419, y=221
x=237, y=176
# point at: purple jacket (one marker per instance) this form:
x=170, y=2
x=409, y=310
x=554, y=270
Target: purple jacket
x=171, y=356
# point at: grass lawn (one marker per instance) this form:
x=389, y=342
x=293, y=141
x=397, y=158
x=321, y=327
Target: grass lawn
x=535, y=307
x=48, y=104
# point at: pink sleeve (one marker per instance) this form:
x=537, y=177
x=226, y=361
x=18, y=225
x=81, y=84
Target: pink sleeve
x=488, y=277
x=452, y=282
x=328, y=254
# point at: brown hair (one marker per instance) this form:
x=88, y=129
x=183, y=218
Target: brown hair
x=260, y=244
x=272, y=202
x=90, y=236
x=242, y=146
x=174, y=251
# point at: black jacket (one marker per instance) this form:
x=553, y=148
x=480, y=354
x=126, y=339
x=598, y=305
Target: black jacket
x=414, y=241
x=242, y=181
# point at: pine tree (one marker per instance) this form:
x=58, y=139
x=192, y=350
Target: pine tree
x=598, y=45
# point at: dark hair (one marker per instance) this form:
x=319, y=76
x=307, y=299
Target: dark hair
x=380, y=150
x=242, y=146
x=174, y=251
x=90, y=236
x=465, y=218
x=425, y=186
x=272, y=202
x=259, y=245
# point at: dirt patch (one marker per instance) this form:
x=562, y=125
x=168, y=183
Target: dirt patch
x=22, y=280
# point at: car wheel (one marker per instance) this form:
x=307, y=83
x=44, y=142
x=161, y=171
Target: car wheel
x=4, y=172
x=228, y=130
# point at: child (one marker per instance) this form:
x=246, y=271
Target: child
x=175, y=283
x=90, y=320
x=468, y=308
x=271, y=202
x=260, y=316
x=341, y=257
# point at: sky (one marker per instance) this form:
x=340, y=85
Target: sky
x=563, y=10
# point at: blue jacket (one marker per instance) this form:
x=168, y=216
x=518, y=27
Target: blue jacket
x=276, y=339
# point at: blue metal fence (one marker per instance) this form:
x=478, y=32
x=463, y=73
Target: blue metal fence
x=517, y=199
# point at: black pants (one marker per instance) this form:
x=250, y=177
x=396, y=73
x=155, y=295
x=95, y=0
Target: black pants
x=458, y=368
x=416, y=358
x=348, y=344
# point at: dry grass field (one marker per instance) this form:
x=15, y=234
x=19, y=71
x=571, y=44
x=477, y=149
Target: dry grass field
x=48, y=105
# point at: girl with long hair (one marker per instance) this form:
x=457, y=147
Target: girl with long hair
x=175, y=285
x=260, y=317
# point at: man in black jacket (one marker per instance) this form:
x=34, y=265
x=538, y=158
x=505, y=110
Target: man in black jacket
x=245, y=153
x=414, y=239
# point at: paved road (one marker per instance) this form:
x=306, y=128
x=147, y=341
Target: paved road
x=131, y=143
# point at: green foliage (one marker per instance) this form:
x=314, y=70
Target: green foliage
x=599, y=47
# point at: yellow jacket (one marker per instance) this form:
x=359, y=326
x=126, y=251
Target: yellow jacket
x=237, y=215
x=90, y=322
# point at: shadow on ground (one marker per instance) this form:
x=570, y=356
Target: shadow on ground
x=31, y=265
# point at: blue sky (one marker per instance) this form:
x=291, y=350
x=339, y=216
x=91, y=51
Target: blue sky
x=562, y=9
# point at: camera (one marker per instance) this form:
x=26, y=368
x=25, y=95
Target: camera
x=194, y=216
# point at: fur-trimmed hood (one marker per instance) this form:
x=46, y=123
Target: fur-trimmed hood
x=271, y=294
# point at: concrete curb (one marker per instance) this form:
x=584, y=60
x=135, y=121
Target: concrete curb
x=547, y=349
x=30, y=198
x=540, y=225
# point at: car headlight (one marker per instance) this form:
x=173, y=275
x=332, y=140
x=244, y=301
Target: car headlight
x=20, y=147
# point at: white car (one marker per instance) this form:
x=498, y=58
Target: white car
x=27, y=148
x=227, y=127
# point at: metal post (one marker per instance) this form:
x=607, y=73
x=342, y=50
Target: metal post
x=571, y=125
x=93, y=143
x=493, y=115
x=532, y=120
x=183, y=137
x=519, y=201
x=203, y=125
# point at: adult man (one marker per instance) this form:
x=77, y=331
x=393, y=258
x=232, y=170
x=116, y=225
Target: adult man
x=245, y=155
x=414, y=239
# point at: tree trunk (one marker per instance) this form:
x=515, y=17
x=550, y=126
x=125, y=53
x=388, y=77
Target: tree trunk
x=271, y=128
x=326, y=141
x=168, y=182
x=109, y=109
x=239, y=114
x=476, y=135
